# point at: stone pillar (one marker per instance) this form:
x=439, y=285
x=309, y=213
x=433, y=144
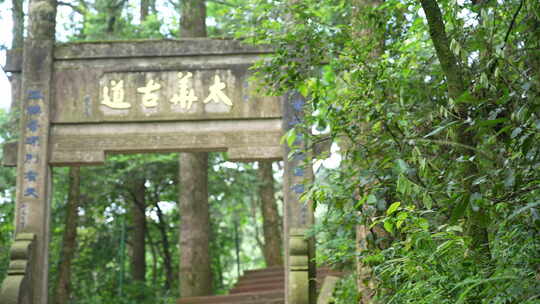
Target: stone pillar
x=33, y=172
x=297, y=215
x=298, y=267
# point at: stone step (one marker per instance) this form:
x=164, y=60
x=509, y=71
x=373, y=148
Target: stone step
x=258, y=287
x=262, y=280
x=263, y=273
x=267, y=269
x=280, y=277
x=276, y=271
x=268, y=297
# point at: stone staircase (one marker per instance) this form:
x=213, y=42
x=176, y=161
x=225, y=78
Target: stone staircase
x=260, y=286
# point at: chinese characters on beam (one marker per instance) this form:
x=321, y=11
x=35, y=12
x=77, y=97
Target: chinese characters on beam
x=185, y=97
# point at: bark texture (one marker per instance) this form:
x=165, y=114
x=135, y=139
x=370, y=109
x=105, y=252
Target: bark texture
x=193, y=18
x=138, y=231
x=448, y=61
x=69, y=243
x=17, y=42
x=195, y=263
x=144, y=9
x=17, y=15
x=167, y=259
x=271, y=219
x=195, y=271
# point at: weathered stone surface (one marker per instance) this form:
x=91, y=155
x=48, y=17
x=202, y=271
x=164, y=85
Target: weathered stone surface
x=13, y=61
x=17, y=267
x=328, y=286
x=9, y=154
x=156, y=48
x=142, y=49
x=33, y=172
x=298, y=215
x=11, y=290
x=298, y=267
x=298, y=287
x=88, y=143
x=181, y=92
x=180, y=78
x=193, y=79
x=16, y=288
x=251, y=154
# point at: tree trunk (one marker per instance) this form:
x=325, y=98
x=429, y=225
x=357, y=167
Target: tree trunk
x=18, y=24
x=193, y=18
x=138, y=233
x=153, y=250
x=271, y=219
x=144, y=9
x=17, y=15
x=167, y=260
x=456, y=88
x=195, y=270
x=69, y=244
x=195, y=263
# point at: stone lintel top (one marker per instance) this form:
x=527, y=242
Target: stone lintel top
x=142, y=48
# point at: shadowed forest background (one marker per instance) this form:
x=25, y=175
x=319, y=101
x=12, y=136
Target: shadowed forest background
x=432, y=107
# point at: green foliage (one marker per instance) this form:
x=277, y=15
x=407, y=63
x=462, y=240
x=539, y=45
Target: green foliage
x=438, y=174
x=346, y=291
x=7, y=193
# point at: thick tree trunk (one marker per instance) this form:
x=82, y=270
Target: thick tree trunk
x=144, y=9
x=193, y=18
x=271, y=220
x=195, y=271
x=69, y=244
x=195, y=263
x=138, y=232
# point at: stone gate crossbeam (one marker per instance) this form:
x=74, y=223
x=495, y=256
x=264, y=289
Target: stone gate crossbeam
x=158, y=96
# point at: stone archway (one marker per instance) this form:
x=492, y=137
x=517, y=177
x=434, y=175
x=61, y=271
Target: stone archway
x=85, y=100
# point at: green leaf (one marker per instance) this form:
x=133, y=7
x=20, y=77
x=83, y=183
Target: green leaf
x=458, y=210
x=491, y=122
x=439, y=129
x=290, y=137
x=403, y=167
x=393, y=208
x=423, y=223
x=372, y=199
x=388, y=226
